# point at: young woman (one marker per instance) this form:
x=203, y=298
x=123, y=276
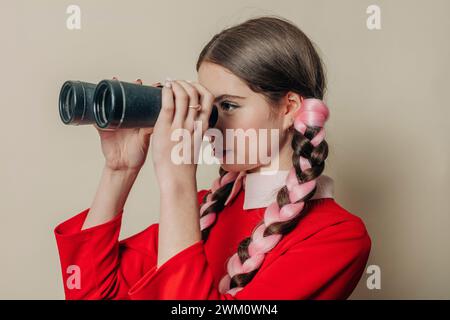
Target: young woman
x=251, y=235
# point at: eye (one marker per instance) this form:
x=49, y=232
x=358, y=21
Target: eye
x=228, y=106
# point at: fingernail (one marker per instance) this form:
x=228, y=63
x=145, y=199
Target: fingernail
x=190, y=81
x=167, y=84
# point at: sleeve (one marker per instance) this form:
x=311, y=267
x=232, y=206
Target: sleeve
x=326, y=265
x=96, y=265
x=89, y=258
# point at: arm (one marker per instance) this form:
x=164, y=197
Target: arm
x=178, y=203
x=179, y=215
x=111, y=195
x=88, y=244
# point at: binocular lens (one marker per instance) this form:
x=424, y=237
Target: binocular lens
x=103, y=106
x=68, y=103
x=75, y=102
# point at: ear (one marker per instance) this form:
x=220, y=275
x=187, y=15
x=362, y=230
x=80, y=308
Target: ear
x=293, y=102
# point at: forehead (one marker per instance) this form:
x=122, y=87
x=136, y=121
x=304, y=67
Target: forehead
x=219, y=80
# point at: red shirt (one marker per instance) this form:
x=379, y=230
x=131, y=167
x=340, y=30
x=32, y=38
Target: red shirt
x=324, y=257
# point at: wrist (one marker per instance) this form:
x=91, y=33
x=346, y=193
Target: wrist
x=121, y=173
x=111, y=195
x=120, y=180
x=178, y=184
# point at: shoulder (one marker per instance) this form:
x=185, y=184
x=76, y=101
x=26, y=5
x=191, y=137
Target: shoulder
x=328, y=222
x=326, y=213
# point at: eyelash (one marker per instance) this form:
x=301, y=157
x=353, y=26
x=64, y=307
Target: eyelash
x=227, y=103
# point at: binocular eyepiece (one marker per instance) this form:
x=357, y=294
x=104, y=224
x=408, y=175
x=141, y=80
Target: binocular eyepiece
x=113, y=104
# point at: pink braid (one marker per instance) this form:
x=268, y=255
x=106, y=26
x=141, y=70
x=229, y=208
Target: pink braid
x=313, y=113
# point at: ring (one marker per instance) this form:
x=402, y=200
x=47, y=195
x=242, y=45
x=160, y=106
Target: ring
x=197, y=107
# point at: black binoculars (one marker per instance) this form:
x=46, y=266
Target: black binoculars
x=113, y=104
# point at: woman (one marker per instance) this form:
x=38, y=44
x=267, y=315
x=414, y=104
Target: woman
x=252, y=235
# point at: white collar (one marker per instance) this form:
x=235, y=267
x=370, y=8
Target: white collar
x=261, y=188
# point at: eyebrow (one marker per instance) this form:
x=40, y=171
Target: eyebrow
x=227, y=96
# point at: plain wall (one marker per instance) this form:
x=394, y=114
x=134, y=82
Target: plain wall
x=388, y=131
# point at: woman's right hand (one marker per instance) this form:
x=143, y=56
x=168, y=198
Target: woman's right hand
x=125, y=149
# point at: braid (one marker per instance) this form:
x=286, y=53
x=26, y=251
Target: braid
x=222, y=191
x=282, y=216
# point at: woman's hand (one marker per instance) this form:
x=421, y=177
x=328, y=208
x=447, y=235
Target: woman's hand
x=177, y=117
x=125, y=149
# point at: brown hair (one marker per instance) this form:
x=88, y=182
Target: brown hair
x=272, y=56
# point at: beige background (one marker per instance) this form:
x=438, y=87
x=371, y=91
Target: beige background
x=388, y=130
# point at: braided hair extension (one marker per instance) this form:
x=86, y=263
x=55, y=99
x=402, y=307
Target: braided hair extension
x=214, y=201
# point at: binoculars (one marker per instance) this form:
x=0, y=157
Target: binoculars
x=113, y=104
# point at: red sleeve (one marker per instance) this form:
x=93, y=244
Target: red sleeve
x=326, y=265
x=90, y=259
x=96, y=265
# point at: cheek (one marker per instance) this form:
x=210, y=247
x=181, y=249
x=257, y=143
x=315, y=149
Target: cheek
x=261, y=137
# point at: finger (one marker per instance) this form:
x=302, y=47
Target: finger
x=193, y=106
x=157, y=84
x=146, y=133
x=138, y=81
x=115, y=78
x=166, y=113
x=181, y=104
x=206, y=100
x=102, y=129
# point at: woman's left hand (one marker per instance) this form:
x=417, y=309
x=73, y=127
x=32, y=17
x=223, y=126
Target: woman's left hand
x=177, y=119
